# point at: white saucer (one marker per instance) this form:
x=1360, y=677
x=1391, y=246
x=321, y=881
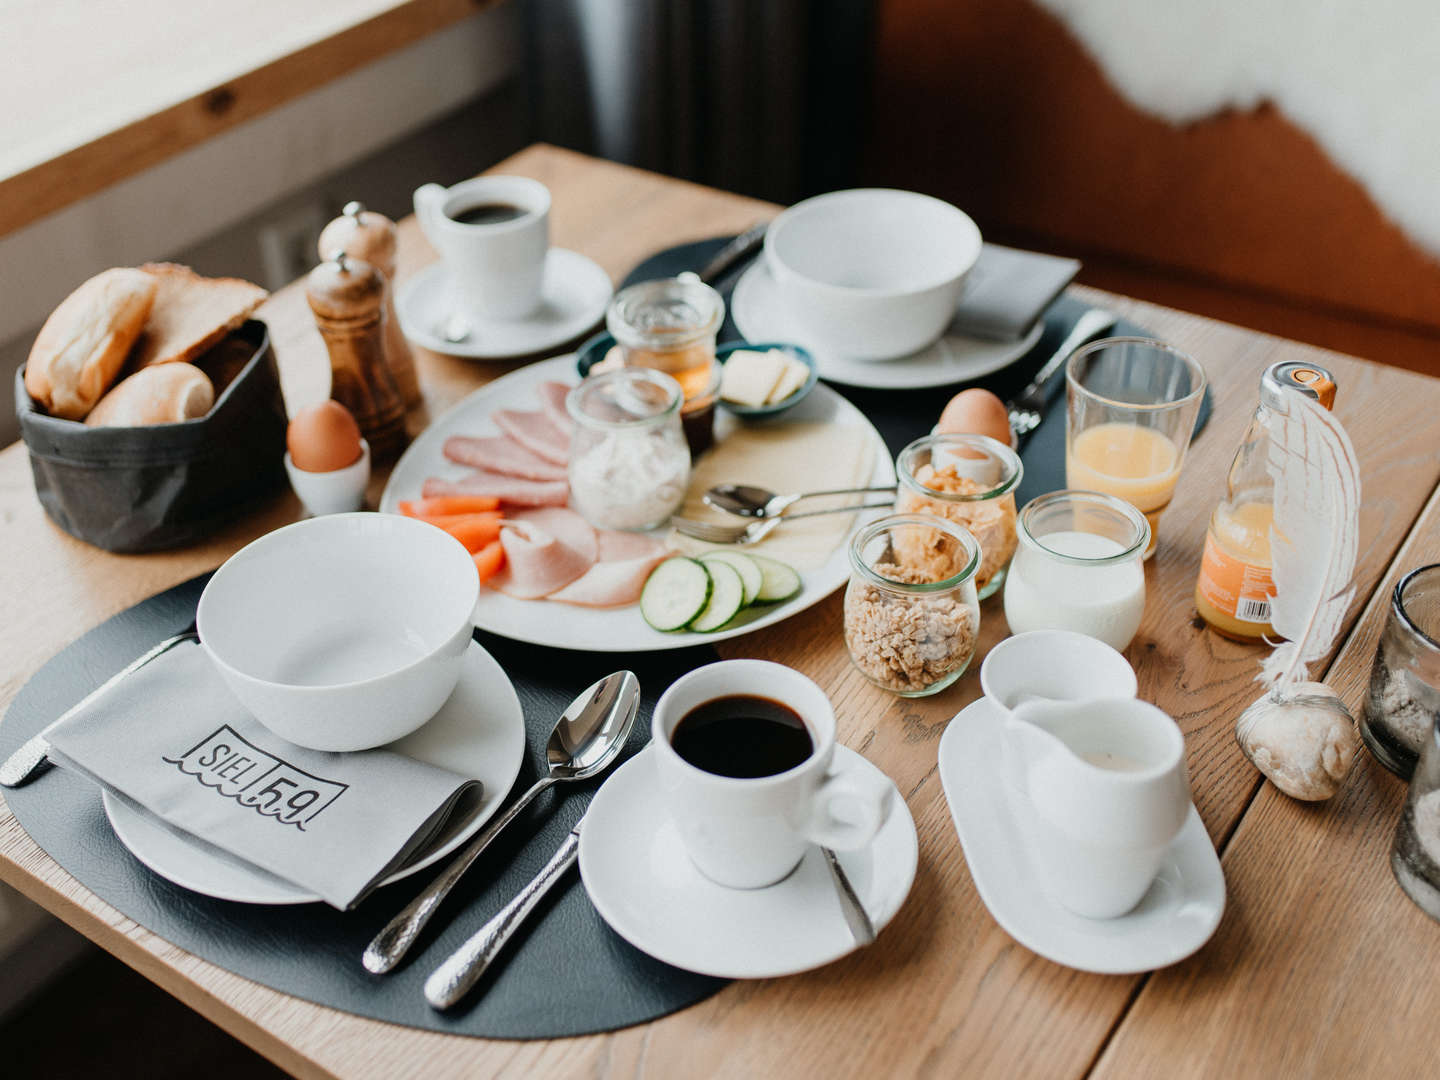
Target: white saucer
x=574, y=297
x=1172, y=920
x=478, y=732
x=760, y=315
x=643, y=884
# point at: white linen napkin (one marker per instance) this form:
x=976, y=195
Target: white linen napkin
x=172, y=739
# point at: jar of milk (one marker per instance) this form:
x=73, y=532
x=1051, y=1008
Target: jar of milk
x=1079, y=566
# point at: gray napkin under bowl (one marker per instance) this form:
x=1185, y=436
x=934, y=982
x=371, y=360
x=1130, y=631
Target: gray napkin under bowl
x=173, y=740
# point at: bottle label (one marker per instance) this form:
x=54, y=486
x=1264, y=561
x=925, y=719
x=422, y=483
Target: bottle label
x=1235, y=587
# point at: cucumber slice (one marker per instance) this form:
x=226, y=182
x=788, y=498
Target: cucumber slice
x=726, y=598
x=749, y=570
x=675, y=593
x=780, y=582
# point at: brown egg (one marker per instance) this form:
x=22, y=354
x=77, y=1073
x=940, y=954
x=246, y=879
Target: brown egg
x=323, y=438
x=976, y=412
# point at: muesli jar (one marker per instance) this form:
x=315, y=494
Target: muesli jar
x=910, y=627
x=971, y=481
x=1404, y=696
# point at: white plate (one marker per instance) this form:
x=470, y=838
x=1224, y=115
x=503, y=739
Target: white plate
x=564, y=626
x=760, y=315
x=644, y=885
x=479, y=732
x=574, y=297
x=1172, y=920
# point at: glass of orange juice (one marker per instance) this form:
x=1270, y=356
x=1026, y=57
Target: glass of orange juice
x=1131, y=405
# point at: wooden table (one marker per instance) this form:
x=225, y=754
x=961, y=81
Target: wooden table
x=1320, y=967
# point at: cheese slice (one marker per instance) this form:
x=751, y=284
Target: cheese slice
x=750, y=376
x=792, y=378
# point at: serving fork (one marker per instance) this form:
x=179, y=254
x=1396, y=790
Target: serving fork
x=716, y=533
x=1028, y=409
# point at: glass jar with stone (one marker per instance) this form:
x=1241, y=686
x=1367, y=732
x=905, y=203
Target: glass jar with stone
x=1404, y=696
x=1415, y=855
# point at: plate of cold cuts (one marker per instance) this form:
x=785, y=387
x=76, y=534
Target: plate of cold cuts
x=566, y=584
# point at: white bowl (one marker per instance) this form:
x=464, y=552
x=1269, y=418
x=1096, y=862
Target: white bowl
x=872, y=273
x=1058, y=665
x=342, y=632
x=336, y=492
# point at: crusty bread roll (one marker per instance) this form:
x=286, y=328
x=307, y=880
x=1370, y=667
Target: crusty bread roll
x=83, y=344
x=191, y=313
x=163, y=394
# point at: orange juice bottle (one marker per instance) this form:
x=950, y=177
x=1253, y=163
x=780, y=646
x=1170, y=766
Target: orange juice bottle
x=1234, y=589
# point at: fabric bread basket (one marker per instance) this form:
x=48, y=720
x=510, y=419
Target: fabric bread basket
x=133, y=489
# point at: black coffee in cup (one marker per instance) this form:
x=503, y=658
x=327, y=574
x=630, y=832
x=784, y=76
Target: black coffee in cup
x=743, y=736
x=487, y=213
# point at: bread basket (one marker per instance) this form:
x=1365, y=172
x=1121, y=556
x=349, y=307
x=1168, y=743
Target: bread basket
x=164, y=486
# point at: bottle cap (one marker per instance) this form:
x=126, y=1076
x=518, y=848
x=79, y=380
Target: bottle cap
x=1312, y=380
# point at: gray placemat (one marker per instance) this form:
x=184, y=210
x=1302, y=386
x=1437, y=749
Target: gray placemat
x=566, y=973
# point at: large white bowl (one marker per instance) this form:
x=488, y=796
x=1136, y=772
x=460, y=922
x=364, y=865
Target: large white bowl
x=342, y=632
x=872, y=273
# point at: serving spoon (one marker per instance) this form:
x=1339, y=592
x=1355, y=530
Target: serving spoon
x=746, y=500
x=584, y=743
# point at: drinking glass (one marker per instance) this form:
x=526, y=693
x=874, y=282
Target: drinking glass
x=1404, y=696
x=1131, y=405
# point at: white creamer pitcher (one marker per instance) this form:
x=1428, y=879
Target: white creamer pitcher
x=1102, y=791
x=496, y=270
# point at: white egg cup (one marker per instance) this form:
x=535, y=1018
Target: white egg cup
x=339, y=491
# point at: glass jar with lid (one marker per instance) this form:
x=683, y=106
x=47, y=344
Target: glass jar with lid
x=970, y=480
x=629, y=464
x=911, y=627
x=1080, y=566
x=1404, y=696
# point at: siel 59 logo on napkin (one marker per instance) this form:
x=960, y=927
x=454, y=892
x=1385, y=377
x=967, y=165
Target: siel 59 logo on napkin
x=269, y=785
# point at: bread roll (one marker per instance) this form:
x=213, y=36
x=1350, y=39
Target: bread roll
x=163, y=394
x=83, y=344
x=191, y=313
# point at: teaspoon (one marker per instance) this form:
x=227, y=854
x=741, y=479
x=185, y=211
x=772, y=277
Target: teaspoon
x=585, y=742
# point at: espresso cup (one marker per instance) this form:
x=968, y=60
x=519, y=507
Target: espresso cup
x=496, y=268
x=752, y=832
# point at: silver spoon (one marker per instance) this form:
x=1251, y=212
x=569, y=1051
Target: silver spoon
x=586, y=740
x=746, y=500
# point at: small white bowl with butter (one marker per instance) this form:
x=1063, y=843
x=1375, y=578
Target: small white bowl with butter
x=758, y=381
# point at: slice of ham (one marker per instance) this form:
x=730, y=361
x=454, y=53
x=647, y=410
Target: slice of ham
x=510, y=490
x=501, y=454
x=616, y=546
x=610, y=584
x=536, y=432
x=565, y=525
x=552, y=401
x=537, y=562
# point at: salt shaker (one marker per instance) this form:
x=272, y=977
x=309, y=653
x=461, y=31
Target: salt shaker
x=347, y=297
x=365, y=234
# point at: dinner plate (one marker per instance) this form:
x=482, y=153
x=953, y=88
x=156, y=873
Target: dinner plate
x=479, y=732
x=642, y=883
x=761, y=315
x=574, y=296
x=1172, y=920
x=566, y=626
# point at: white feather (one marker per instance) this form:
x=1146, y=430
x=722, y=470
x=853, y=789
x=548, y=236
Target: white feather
x=1315, y=537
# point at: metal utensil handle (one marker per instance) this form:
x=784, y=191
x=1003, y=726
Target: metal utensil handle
x=389, y=946
x=32, y=759
x=854, y=911
x=842, y=491
x=840, y=509
x=453, y=979
x=1094, y=321
x=733, y=252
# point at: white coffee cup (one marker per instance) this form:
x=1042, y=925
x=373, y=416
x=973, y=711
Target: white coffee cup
x=1103, y=791
x=496, y=269
x=749, y=833
x=1054, y=665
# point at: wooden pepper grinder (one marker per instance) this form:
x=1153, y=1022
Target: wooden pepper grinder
x=347, y=297
x=364, y=234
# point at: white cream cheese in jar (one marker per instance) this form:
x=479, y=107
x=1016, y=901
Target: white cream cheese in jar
x=629, y=462
x=1088, y=577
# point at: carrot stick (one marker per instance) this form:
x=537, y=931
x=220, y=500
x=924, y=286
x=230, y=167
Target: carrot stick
x=475, y=531
x=489, y=559
x=442, y=520
x=449, y=504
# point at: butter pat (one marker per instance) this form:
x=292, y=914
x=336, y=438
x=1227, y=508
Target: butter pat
x=750, y=376
x=791, y=379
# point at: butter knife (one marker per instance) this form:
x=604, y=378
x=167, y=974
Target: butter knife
x=32, y=758
x=731, y=255
x=454, y=978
